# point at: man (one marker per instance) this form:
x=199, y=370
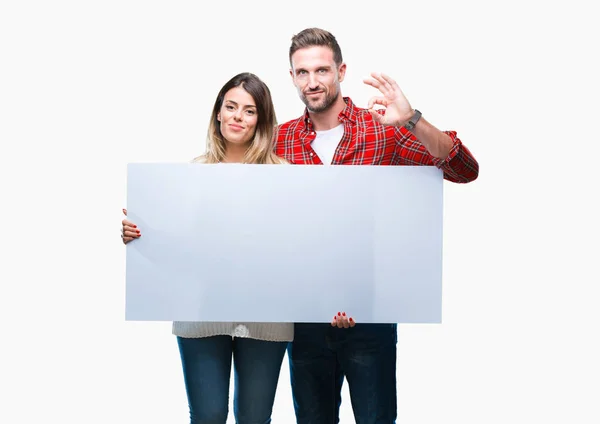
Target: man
x=334, y=131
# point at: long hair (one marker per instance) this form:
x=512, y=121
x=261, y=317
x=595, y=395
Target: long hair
x=260, y=150
x=311, y=37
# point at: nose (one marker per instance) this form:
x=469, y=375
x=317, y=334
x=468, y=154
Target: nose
x=238, y=115
x=312, y=81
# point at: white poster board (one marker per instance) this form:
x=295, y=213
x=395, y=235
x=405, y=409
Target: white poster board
x=277, y=243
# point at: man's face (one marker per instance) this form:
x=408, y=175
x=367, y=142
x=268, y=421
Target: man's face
x=316, y=77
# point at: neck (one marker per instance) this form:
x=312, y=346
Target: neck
x=328, y=119
x=235, y=153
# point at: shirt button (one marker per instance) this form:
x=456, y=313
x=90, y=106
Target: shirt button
x=311, y=155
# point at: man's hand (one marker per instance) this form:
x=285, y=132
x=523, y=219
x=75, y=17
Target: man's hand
x=341, y=320
x=398, y=109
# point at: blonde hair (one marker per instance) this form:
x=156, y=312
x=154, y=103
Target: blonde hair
x=260, y=150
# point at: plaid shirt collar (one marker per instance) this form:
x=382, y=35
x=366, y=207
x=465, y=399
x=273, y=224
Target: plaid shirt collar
x=349, y=113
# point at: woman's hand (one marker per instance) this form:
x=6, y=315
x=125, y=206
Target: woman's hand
x=341, y=320
x=130, y=231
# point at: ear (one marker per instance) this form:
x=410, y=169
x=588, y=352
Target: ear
x=219, y=116
x=341, y=72
x=292, y=75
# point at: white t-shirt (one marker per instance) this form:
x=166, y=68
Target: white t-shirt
x=326, y=142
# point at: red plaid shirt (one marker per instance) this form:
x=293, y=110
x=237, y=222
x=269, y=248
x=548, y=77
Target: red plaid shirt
x=366, y=142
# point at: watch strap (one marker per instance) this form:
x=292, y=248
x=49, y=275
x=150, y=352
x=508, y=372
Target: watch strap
x=413, y=121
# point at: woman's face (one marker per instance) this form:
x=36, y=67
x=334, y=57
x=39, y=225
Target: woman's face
x=238, y=116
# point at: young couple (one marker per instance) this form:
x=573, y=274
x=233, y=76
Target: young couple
x=332, y=130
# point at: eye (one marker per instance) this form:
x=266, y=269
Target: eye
x=322, y=71
x=251, y=112
x=228, y=107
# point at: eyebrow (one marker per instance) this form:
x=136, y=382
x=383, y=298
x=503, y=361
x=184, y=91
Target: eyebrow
x=235, y=103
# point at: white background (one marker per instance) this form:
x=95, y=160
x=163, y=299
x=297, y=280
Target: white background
x=86, y=87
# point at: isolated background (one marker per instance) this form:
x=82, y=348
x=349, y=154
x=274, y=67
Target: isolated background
x=86, y=87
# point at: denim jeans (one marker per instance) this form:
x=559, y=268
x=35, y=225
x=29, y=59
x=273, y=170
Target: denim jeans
x=206, y=365
x=321, y=356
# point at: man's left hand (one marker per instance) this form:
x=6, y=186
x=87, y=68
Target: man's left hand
x=398, y=109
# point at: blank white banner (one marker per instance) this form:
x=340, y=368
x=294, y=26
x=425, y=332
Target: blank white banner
x=284, y=243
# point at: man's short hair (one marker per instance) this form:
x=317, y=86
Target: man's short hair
x=311, y=37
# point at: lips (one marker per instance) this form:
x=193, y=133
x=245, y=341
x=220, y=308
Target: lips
x=236, y=127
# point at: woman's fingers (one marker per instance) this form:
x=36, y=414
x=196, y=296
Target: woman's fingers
x=341, y=320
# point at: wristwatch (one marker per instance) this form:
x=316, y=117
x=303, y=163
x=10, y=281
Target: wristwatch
x=413, y=121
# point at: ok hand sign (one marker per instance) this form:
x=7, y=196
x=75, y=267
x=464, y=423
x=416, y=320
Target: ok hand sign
x=398, y=109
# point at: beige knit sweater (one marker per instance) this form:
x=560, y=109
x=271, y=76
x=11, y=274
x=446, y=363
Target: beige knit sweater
x=269, y=331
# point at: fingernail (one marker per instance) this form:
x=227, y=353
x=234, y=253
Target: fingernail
x=134, y=226
x=350, y=319
x=334, y=317
x=138, y=231
x=344, y=313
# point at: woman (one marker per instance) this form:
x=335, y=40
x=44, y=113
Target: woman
x=241, y=130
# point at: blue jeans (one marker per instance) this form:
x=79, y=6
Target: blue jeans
x=321, y=355
x=206, y=365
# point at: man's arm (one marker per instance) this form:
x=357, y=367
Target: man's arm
x=424, y=144
x=438, y=143
x=459, y=165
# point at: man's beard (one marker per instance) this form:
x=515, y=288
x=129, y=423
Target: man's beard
x=322, y=105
